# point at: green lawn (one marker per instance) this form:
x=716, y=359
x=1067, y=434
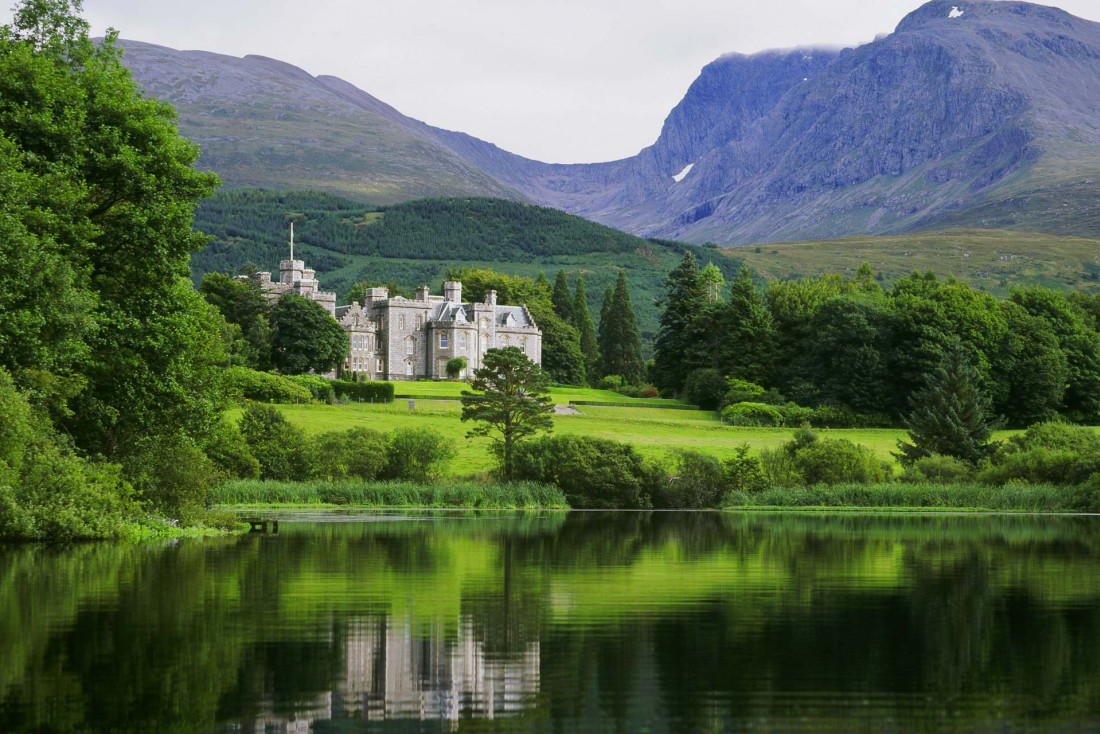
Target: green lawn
x=652, y=431
x=560, y=395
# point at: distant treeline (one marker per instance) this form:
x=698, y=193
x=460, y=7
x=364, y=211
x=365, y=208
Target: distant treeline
x=865, y=349
x=245, y=223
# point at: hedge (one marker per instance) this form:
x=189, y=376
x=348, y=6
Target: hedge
x=378, y=391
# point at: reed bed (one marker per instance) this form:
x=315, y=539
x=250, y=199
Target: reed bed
x=514, y=495
x=1011, y=497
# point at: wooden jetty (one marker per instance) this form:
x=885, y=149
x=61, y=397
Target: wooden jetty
x=261, y=525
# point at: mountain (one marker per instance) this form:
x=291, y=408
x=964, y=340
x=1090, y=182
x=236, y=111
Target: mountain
x=262, y=122
x=971, y=114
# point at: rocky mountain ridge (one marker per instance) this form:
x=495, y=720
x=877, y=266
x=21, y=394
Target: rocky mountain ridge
x=969, y=114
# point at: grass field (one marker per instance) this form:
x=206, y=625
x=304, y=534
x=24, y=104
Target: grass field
x=652, y=431
x=989, y=259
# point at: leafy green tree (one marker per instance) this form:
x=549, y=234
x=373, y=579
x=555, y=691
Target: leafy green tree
x=455, y=367
x=306, y=337
x=685, y=300
x=563, y=299
x=418, y=454
x=1030, y=368
x=951, y=414
x=736, y=336
x=848, y=353
x=358, y=453
x=281, y=448
x=713, y=282
x=108, y=188
x=582, y=320
x=242, y=303
x=620, y=342
x=512, y=402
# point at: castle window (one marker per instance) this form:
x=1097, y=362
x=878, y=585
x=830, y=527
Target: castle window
x=409, y=369
x=523, y=345
x=410, y=345
x=401, y=321
x=380, y=366
x=462, y=340
x=419, y=321
x=443, y=343
x=503, y=341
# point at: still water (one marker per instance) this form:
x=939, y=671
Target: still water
x=560, y=622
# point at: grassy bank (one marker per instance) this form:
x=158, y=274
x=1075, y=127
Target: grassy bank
x=1013, y=497
x=390, y=494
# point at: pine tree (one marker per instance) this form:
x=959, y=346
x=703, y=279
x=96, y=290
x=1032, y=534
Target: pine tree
x=950, y=414
x=685, y=298
x=620, y=341
x=563, y=299
x=583, y=321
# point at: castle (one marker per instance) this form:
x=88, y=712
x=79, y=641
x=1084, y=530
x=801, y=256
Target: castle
x=401, y=339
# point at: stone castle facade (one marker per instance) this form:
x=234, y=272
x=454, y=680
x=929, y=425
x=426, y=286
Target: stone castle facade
x=402, y=339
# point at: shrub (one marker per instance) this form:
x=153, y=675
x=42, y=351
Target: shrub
x=378, y=391
x=743, y=472
x=637, y=391
x=46, y=492
x=838, y=460
x=355, y=453
x=1047, y=453
x=705, y=388
x=320, y=388
x=1086, y=497
x=609, y=382
x=171, y=473
x=417, y=454
x=697, y=481
x=778, y=469
x=226, y=448
x=264, y=387
x=741, y=391
x=595, y=473
x=938, y=469
x=455, y=367
x=753, y=414
x=796, y=415
x=281, y=448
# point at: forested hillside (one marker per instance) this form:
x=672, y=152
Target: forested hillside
x=416, y=242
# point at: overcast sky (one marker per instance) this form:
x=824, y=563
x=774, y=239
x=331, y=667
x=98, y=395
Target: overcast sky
x=557, y=80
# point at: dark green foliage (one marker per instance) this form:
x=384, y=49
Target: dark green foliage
x=696, y=481
x=227, y=450
x=365, y=391
x=1030, y=370
x=281, y=448
x=1047, y=453
x=244, y=383
x=950, y=414
x=320, y=388
x=849, y=351
x=563, y=299
x=735, y=336
x=752, y=414
x=582, y=321
x=685, y=299
x=620, y=343
x=743, y=472
x=240, y=302
x=418, y=455
x=512, y=402
x=455, y=367
x=358, y=453
x=48, y=493
x=594, y=473
x=938, y=469
x=306, y=337
x=705, y=388
x=171, y=474
x=1086, y=497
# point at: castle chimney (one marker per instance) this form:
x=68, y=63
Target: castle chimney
x=422, y=293
x=452, y=291
x=491, y=298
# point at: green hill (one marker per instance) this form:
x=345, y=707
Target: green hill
x=414, y=243
x=993, y=260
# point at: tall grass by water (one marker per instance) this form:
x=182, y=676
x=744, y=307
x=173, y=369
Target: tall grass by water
x=1012, y=497
x=514, y=495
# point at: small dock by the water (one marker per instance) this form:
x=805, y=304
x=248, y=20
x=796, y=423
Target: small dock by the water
x=261, y=525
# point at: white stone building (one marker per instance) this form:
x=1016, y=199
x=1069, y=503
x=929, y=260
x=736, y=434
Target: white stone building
x=401, y=339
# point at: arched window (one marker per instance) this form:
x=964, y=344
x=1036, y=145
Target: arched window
x=502, y=340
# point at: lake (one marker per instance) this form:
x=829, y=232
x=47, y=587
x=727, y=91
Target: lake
x=561, y=622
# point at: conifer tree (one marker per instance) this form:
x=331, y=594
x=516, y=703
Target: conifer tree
x=583, y=321
x=562, y=299
x=620, y=341
x=685, y=299
x=950, y=414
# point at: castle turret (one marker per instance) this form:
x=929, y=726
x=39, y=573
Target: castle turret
x=452, y=291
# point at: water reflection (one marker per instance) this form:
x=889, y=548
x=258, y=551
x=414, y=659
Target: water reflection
x=556, y=622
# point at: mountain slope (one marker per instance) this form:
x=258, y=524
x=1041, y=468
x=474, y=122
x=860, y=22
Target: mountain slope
x=261, y=122
x=970, y=114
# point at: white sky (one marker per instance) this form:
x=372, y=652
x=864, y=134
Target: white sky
x=556, y=80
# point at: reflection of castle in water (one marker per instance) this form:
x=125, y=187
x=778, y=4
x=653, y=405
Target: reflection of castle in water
x=394, y=673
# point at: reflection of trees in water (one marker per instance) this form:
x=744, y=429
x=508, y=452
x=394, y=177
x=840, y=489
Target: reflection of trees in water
x=931, y=619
